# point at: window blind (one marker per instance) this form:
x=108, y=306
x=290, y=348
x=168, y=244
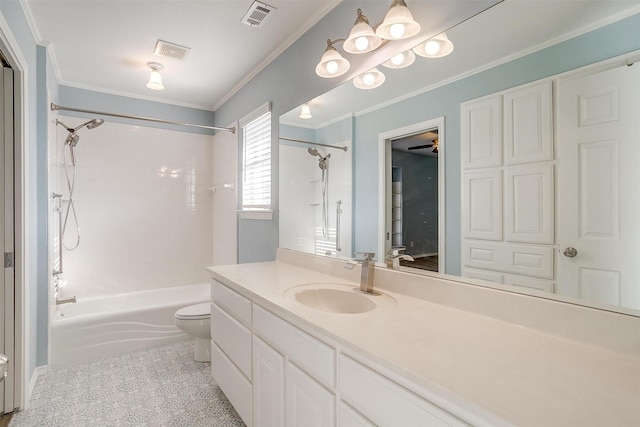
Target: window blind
x=256, y=163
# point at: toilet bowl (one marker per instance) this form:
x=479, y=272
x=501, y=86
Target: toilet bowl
x=195, y=320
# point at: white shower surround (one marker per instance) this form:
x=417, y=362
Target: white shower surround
x=144, y=207
x=301, y=198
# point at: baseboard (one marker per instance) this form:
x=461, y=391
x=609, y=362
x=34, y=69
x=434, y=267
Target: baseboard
x=40, y=370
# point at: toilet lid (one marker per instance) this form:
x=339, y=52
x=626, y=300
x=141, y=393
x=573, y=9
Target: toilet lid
x=198, y=311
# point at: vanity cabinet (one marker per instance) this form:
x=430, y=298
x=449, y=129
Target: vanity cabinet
x=276, y=374
x=297, y=362
x=508, y=187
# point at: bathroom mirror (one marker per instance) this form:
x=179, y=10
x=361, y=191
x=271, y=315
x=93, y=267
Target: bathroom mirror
x=510, y=45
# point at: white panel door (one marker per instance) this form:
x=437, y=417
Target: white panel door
x=529, y=203
x=307, y=402
x=481, y=133
x=528, y=114
x=7, y=278
x=598, y=173
x=268, y=385
x=482, y=204
x=225, y=202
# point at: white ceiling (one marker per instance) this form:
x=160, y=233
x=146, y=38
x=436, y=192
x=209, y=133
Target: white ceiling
x=507, y=30
x=105, y=45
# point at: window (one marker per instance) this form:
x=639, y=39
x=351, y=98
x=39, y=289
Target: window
x=256, y=161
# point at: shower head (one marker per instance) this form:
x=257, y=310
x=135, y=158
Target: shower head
x=91, y=124
x=72, y=139
x=313, y=152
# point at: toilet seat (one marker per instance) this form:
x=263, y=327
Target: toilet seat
x=195, y=312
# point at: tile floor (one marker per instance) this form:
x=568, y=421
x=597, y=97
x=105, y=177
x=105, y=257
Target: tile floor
x=161, y=386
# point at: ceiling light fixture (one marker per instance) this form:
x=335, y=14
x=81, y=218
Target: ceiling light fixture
x=305, y=111
x=401, y=60
x=362, y=38
x=369, y=80
x=332, y=64
x=435, y=47
x=155, y=79
x=398, y=23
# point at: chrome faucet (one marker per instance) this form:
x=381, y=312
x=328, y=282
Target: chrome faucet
x=368, y=269
x=394, y=256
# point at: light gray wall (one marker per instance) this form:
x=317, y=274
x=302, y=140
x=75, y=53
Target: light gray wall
x=108, y=103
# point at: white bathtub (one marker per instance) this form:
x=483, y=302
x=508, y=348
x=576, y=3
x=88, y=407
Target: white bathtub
x=98, y=327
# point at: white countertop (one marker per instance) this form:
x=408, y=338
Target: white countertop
x=493, y=370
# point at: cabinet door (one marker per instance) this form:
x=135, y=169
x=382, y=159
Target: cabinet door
x=482, y=205
x=307, y=402
x=268, y=385
x=528, y=124
x=481, y=129
x=529, y=196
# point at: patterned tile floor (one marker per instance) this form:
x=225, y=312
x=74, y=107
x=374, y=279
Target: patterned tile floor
x=161, y=386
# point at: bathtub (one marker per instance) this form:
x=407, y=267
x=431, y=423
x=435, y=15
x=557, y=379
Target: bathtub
x=98, y=327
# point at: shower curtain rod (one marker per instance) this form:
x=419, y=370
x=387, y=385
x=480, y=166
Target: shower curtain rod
x=314, y=143
x=55, y=107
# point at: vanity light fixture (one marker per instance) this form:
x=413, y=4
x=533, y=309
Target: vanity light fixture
x=435, y=47
x=305, y=111
x=332, y=64
x=155, y=79
x=398, y=23
x=401, y=60
x=362, y=38
x=369, y=80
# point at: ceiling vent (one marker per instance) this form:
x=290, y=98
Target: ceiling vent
x=171, y=50
x=257, y=14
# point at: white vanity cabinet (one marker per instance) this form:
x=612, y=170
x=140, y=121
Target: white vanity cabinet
x=276, y=374
x=287, y=358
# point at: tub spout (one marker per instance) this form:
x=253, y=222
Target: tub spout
x=65, y=300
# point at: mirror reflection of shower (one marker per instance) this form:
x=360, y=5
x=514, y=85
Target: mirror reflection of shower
x=70, y=144
x=323, y=164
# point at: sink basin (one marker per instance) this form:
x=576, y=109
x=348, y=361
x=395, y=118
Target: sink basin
x=337, y=298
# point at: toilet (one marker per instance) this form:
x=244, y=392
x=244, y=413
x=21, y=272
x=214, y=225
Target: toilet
x=195, y=320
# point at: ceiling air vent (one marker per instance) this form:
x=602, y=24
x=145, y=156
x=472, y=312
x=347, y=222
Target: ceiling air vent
x=171, y=50
x=257, y=14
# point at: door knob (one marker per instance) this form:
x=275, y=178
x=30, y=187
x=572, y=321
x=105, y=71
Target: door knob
x=570, y=252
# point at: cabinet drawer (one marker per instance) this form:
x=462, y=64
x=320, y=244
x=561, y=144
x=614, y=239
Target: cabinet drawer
x=234, y=303
x=312, y=355
x=385, y=402
x=529, y=282
x=528, y=260
x=233, y=338
x=234, y=385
